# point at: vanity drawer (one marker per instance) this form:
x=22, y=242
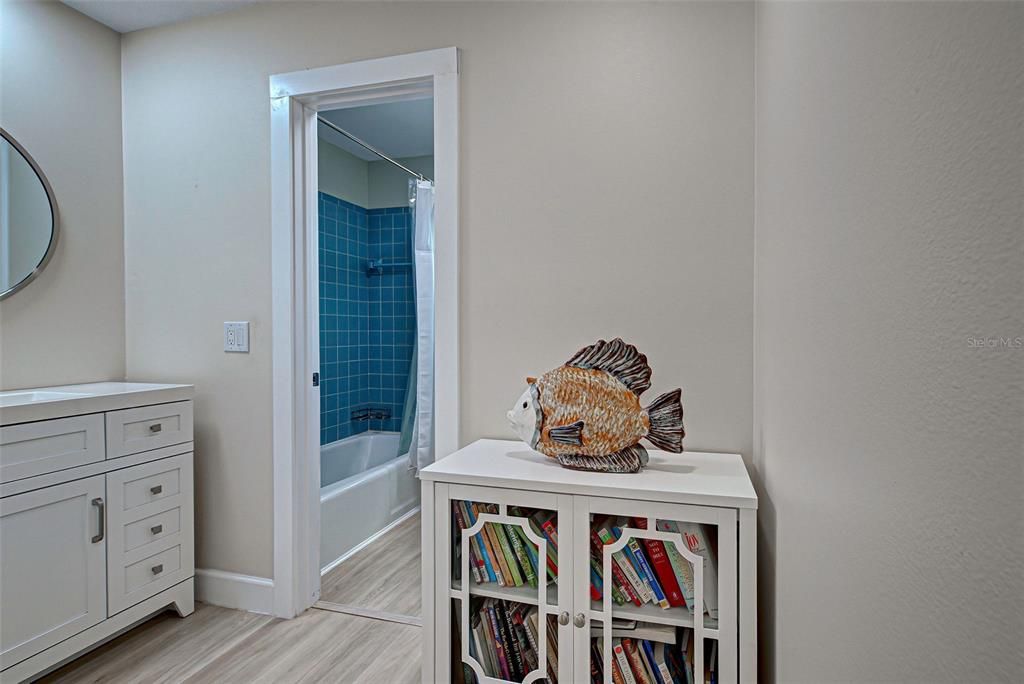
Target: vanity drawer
x=151, y=529
x=33, y=449
x=149, y=427
x=150, y=540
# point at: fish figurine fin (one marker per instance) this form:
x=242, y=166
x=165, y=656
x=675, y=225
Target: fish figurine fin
x=567, y=434
x=619, y=359
x=629, y=460
x=666, y=415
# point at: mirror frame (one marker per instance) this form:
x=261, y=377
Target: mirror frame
x=54, y=235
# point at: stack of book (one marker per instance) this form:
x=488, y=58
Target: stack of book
x=505, y=639
x=651, y=654
x=503, y=553
x=652, y=571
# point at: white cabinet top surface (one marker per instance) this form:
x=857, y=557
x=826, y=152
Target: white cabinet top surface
x=691, y=477
x=46, y=403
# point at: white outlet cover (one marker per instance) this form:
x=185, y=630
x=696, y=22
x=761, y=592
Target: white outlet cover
x=236, y=336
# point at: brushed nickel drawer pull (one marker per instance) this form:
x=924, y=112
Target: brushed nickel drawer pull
x=156, y=427
x=102, y=531
x=157, y=569
x=156, y=529
x=156, y=490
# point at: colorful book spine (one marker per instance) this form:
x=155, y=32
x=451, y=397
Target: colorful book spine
x=552, y=545
x=487, y=539
x=483, y=560
x=531, y=550
x=680, y=566
x=492, y=531
x=697, y=539
x=460, y=520
x=635, y=661
x=623, y=662
x=510, y=556
x=653, y=664
x=659, y=562
x=511, y=642
x=629, y=575
x=636, y=555
x=520, y=553
x=499, y=645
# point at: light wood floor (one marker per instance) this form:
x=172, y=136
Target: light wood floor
x=385, y=576
x=224, y=646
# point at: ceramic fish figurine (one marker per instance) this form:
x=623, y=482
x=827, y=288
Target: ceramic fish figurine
x=587, y=413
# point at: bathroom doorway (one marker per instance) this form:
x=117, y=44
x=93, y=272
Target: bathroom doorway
x=365, y=324
x=375, y=223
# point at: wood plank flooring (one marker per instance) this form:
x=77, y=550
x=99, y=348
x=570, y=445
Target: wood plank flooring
x=384, y=576
x=218, y=645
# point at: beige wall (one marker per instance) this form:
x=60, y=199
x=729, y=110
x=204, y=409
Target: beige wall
x=889, y=451
x=389, y=185
x=577, y=121
x=342, y=174
x=60, y=79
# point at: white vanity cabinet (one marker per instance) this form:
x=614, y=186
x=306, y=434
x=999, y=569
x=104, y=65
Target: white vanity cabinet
x=688, y=519
x=96, y=517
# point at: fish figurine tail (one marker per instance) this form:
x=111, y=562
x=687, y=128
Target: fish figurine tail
x=666, y=415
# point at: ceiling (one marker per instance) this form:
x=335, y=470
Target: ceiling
x=131, y=15
x=399, y=129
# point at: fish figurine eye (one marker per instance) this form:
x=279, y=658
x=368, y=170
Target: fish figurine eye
x=525, y=404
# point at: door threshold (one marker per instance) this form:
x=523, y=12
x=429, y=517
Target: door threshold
x=369, y=613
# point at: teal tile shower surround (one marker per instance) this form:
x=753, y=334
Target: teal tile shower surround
x=367, y=322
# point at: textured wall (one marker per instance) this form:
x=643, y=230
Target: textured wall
x=889, y=447
x=60, y=78
x=577, y=121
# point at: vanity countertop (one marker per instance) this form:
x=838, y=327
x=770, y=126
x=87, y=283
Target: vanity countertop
x=46, y=403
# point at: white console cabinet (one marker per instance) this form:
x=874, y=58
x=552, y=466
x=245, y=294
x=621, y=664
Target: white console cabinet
x=552, y=513
x=96, y=517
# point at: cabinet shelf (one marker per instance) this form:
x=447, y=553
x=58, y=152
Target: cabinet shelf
x=523, y=594
x=675, y=617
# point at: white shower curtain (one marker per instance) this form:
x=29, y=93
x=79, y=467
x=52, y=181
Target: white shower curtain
x=421, y=452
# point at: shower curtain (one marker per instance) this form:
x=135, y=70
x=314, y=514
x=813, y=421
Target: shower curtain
x=418, y=416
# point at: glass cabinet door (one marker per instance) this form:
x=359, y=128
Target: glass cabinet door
x=505, y=597
x=652, y=577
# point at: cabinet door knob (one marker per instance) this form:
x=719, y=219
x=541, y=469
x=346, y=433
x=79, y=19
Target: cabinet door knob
x=156, y=490
x=157, y=569
x=156, y=427
x=580, y=620
x=156, y=529
x=563, y=618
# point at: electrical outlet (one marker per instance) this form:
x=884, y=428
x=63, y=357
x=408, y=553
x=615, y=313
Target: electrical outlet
x=236, y=336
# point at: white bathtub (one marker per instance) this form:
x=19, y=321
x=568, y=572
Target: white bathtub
x=365, y=485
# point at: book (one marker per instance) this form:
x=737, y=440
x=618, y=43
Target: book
x=626, y=568
x=531, y=550
x=633, y=656
x=487, y=571
x=636, y=557
x=661, y=662
x=659, y=561
x=499, y=645
x=647, y=650
x=489, y=541
x=513, y=532
x=491, y=529
x=596, y=663
x=460, y=521
x=509, y=555
x=622, y=662
x=511, y=643
x=680, y=565
x=697, y=539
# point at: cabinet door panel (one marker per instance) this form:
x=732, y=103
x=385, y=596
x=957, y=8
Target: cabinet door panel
x=665, y=580
x=503, y=598
x=52, y=572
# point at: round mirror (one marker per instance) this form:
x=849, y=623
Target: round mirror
x=28, y=217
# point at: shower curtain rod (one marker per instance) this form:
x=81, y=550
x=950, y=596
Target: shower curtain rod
x=372, y=149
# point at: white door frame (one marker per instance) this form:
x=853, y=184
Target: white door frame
x=295, y=98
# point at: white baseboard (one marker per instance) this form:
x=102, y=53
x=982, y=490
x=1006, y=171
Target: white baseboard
x=234, y=590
